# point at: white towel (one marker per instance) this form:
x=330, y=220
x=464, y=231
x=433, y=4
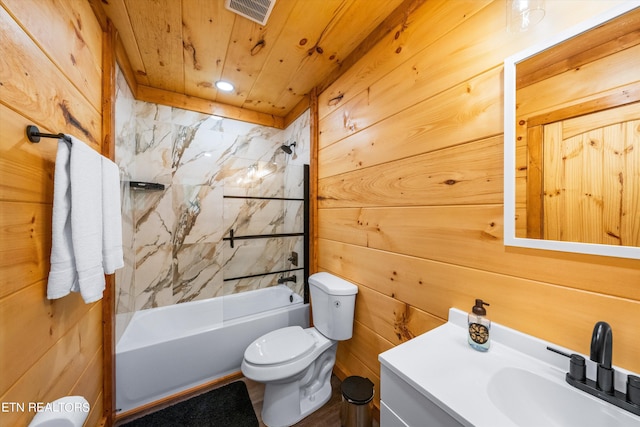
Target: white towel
x=86, y=219
x=77, y=214
x=62, y=276
x=112, y=257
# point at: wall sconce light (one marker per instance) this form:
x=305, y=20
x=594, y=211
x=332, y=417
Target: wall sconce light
x=523, y=14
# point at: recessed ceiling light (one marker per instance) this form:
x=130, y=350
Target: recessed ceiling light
x=224, y=86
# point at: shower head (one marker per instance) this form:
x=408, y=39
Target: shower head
x=288, y=148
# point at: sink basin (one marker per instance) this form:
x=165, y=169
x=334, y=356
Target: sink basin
x=531, y=400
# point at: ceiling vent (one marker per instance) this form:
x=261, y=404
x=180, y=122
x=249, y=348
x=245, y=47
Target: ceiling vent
x=255, y=10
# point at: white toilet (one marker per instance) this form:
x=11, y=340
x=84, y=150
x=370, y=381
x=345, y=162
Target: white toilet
x=69, y=411
x=294, y=363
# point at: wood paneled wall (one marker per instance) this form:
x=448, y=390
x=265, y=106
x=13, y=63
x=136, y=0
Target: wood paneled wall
x=410, y=193
x=51, y=75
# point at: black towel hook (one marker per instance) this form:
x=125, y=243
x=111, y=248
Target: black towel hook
x=34, y=135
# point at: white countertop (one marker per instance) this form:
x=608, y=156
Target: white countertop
x=442, y=366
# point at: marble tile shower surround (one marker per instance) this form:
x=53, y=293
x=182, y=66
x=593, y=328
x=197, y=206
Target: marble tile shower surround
x=178, y=251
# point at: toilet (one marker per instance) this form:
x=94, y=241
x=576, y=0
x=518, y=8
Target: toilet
x=69, y=411
x=295, y=364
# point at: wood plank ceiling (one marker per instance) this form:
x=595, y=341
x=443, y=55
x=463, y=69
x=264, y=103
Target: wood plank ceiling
x=185, y=46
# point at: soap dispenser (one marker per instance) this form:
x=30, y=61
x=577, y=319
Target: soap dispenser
x=479, y=327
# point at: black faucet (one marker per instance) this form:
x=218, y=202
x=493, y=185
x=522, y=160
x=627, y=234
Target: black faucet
x=603, y=386
x=283, y=279
x=601, y=353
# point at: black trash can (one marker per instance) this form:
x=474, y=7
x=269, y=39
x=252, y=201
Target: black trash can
x=357, y=402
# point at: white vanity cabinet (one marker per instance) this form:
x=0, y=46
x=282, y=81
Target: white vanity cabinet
x=401, y=405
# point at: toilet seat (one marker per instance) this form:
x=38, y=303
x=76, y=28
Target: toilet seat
x=293, y=336
x=279, y=346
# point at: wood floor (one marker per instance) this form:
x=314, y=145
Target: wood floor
x=327, y=416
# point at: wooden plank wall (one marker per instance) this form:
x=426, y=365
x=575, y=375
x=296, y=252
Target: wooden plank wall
x=410, y=193
x=50, y=76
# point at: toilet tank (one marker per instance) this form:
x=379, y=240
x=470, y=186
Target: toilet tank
x=333, y=302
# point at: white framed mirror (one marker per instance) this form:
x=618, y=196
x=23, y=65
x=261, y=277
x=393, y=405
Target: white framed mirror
x=572, y=139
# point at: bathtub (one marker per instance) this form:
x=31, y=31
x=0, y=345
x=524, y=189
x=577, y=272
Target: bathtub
x=170, y=349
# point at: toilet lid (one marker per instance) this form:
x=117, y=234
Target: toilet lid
x=281, y=345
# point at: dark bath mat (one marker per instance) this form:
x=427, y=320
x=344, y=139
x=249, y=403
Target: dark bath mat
x=227, y=406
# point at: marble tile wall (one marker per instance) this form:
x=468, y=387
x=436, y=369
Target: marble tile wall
x=178, y=250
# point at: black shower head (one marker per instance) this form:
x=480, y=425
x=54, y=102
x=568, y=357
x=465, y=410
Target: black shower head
x=288, y=148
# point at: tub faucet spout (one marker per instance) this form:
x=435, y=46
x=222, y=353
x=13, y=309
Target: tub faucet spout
x=283, y=279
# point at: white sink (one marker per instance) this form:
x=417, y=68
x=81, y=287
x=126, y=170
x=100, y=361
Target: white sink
x=517, y=383
x=531, y=400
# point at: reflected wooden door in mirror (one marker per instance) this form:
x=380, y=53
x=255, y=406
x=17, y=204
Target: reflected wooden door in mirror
x=583, y=178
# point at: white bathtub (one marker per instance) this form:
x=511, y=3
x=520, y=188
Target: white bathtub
x=170, y=349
